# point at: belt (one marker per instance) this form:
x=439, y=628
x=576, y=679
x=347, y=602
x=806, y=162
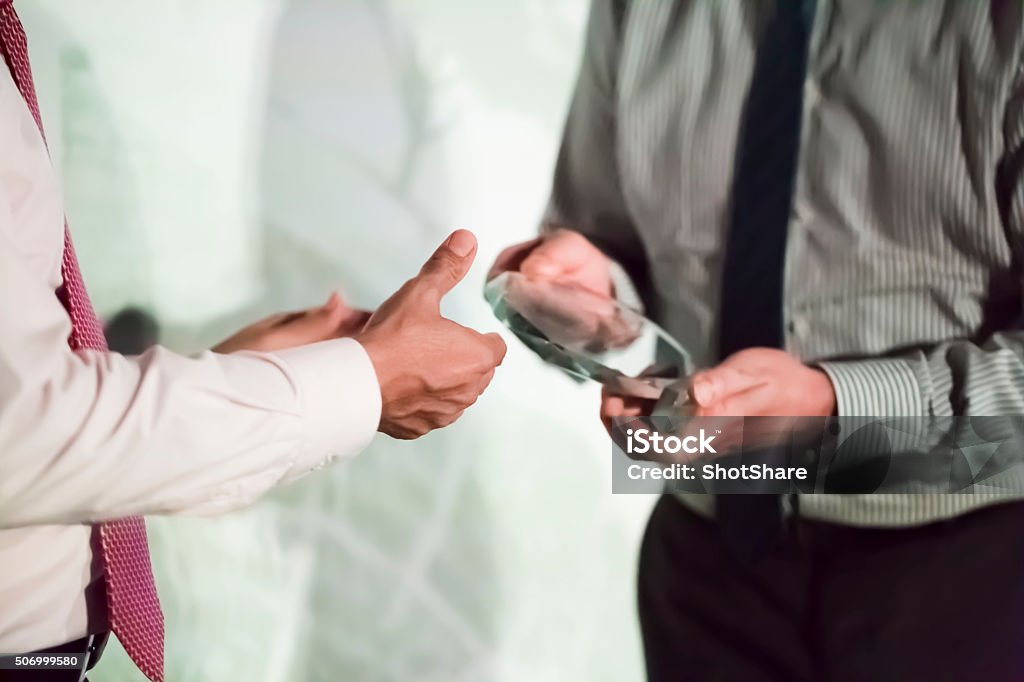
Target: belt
x=89, y=649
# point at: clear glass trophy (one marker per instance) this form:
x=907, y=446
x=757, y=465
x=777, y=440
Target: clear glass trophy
x=592, y=337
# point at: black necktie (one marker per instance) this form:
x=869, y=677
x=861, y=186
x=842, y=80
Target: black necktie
x=752, y=273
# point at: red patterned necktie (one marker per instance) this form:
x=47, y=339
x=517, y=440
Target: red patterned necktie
x=132, y=603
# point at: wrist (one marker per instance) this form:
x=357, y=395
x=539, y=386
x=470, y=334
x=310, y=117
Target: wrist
x=825, y=393
x=377, y=353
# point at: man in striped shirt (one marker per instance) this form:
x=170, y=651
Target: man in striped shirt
x=896, y=292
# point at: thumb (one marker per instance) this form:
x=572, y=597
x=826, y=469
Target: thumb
x=712, y=385
x=449, y=264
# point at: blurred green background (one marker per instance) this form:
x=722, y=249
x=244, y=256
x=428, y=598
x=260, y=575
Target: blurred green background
x=224, y=159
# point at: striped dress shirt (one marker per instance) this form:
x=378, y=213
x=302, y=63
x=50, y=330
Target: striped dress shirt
x=903, y=261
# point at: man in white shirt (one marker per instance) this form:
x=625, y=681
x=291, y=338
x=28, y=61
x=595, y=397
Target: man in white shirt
x=88, y=436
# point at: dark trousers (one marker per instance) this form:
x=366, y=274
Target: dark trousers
x=936, y=603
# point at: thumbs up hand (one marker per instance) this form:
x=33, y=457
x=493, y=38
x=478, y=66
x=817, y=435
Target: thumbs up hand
x=430, y=369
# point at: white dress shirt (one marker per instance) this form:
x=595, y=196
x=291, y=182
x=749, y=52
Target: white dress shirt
x=88, y=436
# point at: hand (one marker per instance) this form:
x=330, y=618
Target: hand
x=332, y=320
x=762, y=382
x=751, y=383
x=569, y=261
x=614, y=406
x=571, y=316
x=430, y=369
x=562, y=256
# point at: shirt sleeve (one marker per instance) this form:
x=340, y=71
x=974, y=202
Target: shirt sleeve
x=959, y=377
x=87, y=436
x=587, y=195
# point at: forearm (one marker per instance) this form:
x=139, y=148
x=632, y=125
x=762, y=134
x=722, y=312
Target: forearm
x=103, y=436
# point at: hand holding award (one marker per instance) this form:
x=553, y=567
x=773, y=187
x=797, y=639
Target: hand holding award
x=556, y=294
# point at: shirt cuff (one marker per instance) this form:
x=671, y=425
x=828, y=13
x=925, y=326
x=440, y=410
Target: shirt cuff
x=881, y=387
x=339, y=398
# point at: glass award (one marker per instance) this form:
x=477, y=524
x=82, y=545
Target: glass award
x=591, y=336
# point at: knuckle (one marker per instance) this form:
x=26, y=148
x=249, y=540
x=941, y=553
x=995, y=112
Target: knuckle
x=500, y=348
x=407, y=289
x=418, y=294
x=488, y=355
x=432, y=386
x=438, y=383
x=482, y=363
x=401, y=433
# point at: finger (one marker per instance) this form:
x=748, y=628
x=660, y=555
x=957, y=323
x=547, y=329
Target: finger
x=444, y=414
x=624, y=405
x=447, y=406
x=317, y=324
x=629, y=408
x=450, y=419
x=714, y=385
x=484, y=382
x=458, y=397
x=618, y=407
x=287, y=319
x=448, y=265
x=612, y=406
x=752, y=402
x=352, y=322
x=490, y=345
x=497, y=347
x=333, y=301
x=282, y=319
x=410, y=429
x=511, y=259
x=559, y=253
